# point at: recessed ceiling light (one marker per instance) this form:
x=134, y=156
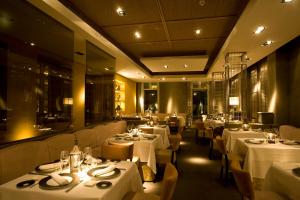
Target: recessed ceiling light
x=163, y=78
x=166, y=66
x=106, y=68
x=29, y=68
x=46, y=73
x=32, y=44
x=183, y=78
x=267, y=43
x=185, y=65
x=121, y=12
x=202, y=2
x=286, y=1
x=60, y=75
x=197, y=31
x=137, y=35
x=259, y=30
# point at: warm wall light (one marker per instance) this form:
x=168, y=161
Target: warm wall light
x=234, y=101
x=165, y=66
x=68, y=101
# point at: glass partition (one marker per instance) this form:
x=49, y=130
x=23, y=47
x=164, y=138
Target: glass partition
x=36, y=56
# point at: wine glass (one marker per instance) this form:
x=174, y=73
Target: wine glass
x=129, y=128
x=87, y=151
x=64, y=159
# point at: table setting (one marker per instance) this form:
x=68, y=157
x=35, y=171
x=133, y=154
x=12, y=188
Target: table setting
x=261, y=153
x=57, y=180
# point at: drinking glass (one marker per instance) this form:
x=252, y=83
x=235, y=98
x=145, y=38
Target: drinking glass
x=87, y=151
x=129, y=128
x=64, y=158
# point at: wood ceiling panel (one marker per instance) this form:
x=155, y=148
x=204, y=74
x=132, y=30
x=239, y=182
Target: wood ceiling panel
x=103, y=12
x=210, y=28
x=188, y=9
x=148, y=49
x=125, y=34
x=207, y=45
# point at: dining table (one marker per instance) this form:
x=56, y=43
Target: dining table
x=231, y=135
x=284, y=179
x=213, y=123
x=162, y=130
x=128, y=180
x=259, y=157
x=144, y=146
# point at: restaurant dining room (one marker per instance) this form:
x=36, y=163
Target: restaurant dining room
x=149, y=99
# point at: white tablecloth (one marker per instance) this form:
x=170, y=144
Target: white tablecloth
x=164, y=131
x=213, y=123
x=129, y=180
x=280, y=179
x=230, y=137
x=145, y=150
x=260, y=157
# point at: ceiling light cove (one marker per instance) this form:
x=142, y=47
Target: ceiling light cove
x=259, y=30
x=137, y=35
x=267, y=43
x=286, y=1
x=121, y=12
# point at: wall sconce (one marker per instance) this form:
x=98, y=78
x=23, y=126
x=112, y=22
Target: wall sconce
x=68, y=101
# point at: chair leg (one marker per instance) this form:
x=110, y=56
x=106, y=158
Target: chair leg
x=221, y=172
x=210, y=149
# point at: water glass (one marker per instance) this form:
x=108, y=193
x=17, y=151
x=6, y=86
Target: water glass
x=64, y=158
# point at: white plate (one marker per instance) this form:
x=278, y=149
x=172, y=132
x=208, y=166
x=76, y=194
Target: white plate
x=255, y=141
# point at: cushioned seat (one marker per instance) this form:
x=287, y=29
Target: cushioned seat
x=289, y=132
x=20, y=159
x=58, y=143
x=117, y=152
x=245, y=186
x=167, y=190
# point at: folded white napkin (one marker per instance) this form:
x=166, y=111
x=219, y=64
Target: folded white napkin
x=104, y=171
x=60, y=180
x=49, y=166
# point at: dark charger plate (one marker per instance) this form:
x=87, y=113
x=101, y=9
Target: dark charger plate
x=25, y=184
x=103, y=184
x=44, y=182
x=296, y=171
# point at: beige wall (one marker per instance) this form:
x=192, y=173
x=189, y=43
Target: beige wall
x=130, y=94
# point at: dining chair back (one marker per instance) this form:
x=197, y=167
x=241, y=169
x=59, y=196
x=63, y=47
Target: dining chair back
x=169, y=182
x=243, y=180
x=128, y=144
x=116, y=152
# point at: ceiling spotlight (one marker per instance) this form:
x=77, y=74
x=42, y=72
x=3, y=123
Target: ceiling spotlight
x=267, y=43
x=286, y=1
x=166, y=66
x=121, y=12
x=137, y=35
x=198, y=31
x=183, y=78
x=259, y=30
x=32, y=44
x=106, y=68
x=163, y=78
x=185, y=65
x=202, y=2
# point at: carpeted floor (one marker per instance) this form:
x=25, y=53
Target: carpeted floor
x=198, y=176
